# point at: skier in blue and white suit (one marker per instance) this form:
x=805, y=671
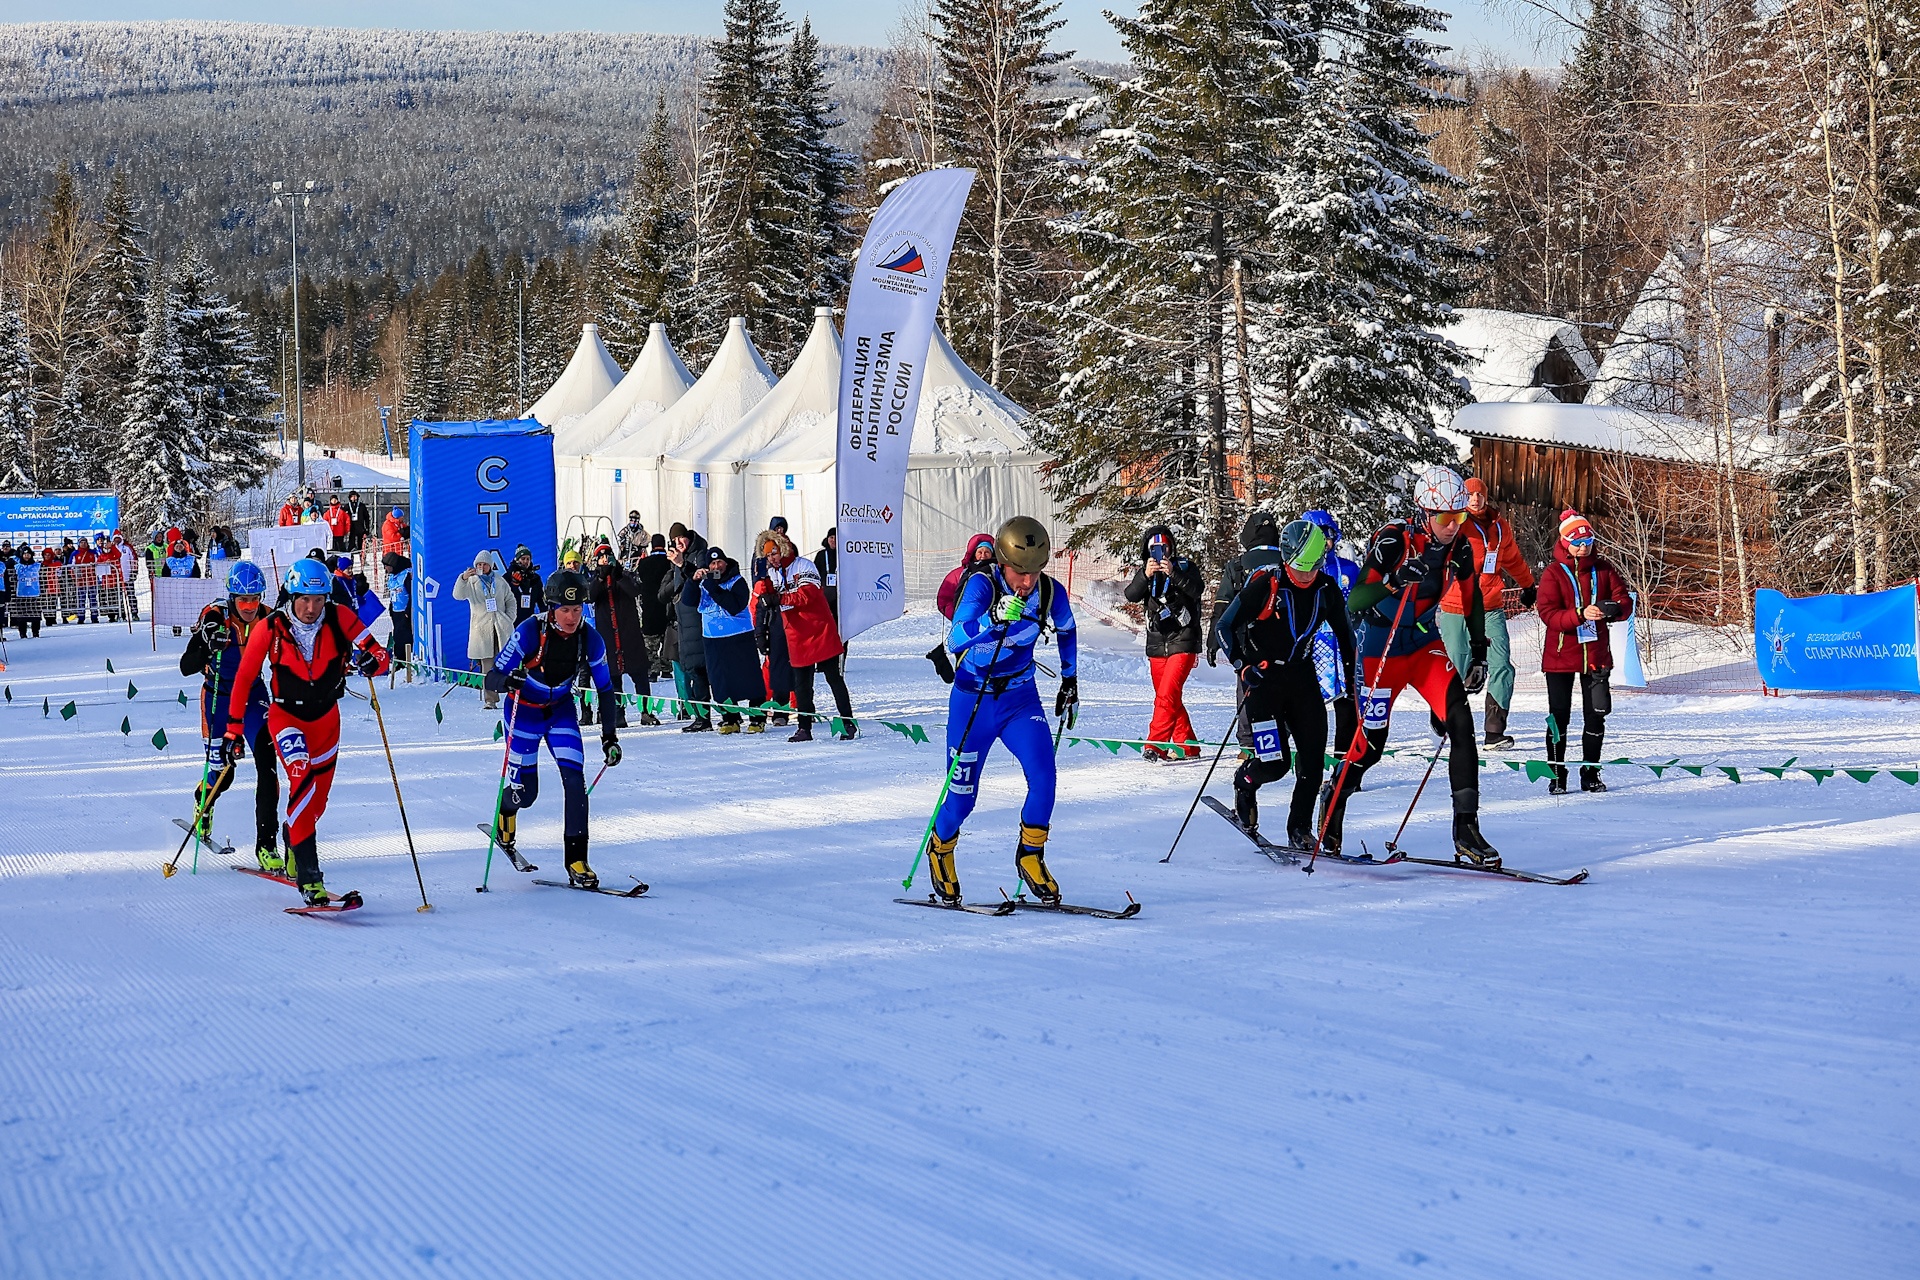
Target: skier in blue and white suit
x=536, y=668
x=1326, y=650
x=1000, y=617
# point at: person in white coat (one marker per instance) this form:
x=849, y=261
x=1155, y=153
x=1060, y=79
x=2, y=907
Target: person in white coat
x=490, y=613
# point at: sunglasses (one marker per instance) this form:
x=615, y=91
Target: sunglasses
x=1582, y=543
x=1446, y=519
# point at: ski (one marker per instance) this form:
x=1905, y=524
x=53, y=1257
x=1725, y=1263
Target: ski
x=1511, y=874
x=639, y=887
x=213, y=845
x=977, y=908
x=1280, y=853
x=348, y=901
x=513, y=855
x=1127, y=912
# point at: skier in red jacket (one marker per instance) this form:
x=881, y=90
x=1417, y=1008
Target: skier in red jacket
x=306, y=650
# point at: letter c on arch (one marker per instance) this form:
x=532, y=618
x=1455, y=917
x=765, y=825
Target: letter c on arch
x=489, y=475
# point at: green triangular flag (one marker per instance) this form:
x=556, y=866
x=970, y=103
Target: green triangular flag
x=1730, y=771
x=69, y=711
x=1781, y=771
x=499, y=732
x=1659, y=769
x=1538, y=769
x=1909, y=776
x=45, y=708
x=1818, y=775
x=9, y=693
x=438, y=716
x=131, y=690
x=183, y=698
x=159, y=739
x=110, y=669
x=1694, y=769
x=1515, y=765
x=126, y=726
x=1861, y=775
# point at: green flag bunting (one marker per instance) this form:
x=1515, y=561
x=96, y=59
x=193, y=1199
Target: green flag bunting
x=131, y=691
x=126, y=726
x=69, y=711
x=159, y=739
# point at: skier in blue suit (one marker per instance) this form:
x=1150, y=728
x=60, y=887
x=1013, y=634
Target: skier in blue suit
x=536, y=668
x=1001, y=616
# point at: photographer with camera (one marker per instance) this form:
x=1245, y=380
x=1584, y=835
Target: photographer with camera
x=1171, y=588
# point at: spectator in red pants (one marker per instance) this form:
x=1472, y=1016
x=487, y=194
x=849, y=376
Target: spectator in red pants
x=1170, y=588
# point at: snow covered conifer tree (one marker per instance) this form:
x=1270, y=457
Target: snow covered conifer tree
x=224, y=377
x=159, y=451
x=1366, y=271
x=116, y=302
x=818, y=238
x=996, y=114
x=1179, y=182
x=646, y=266
x=747, y=197
x=17, y=410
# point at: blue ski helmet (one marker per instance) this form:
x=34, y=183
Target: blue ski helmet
x=245, y=579
x=308, y=577
x=1328, y=525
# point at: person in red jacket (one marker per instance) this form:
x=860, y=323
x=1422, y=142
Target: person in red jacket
x=978, y=559
x=290, y=511
x=306, y=650
x=812, y=635
x=339, y=522
x=1580, y=593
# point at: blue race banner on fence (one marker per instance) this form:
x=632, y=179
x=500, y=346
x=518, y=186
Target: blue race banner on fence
x=1841, y=643
x=475, y=486
x=59, y=512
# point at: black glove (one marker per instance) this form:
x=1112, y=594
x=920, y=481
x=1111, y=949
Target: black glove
x=1475, y=676
x=1067, y=701
x=230, y=748
x=1611, y=609
x=609, y=744
x=516, y=680
x=941, y=663
x=213, y=633
x=1252, y=673
x=366, y=662
x=1416, y=568
x=1528, y=595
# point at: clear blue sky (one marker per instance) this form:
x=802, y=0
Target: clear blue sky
x=1478, y=24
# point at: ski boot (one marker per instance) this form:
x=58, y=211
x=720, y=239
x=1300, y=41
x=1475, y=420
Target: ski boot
x=1246, y=803
x=729, y=724
x=1300, y=838
x=756, y=724
x=203, y=826
x=1469, y=845
x=804, y=733
x=1590, y=780
x=313, y=893
x=849, y=730
x=699, y=724
x=946, y=881
x=1031, y=858
x=1333, y=816
x=271, y=860
x=579, y=874
x=506, y=834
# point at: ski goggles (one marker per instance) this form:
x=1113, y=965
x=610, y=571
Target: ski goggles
x=1446, y=519
x=1312, y=553
x=1583, y=543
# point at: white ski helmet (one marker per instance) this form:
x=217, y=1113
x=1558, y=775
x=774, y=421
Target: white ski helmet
x=1439, y=489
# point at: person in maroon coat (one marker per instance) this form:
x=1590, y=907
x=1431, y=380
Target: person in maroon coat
x=1580, y=593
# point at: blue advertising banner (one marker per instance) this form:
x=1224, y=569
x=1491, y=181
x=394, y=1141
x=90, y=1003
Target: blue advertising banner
x=475, y=486
x=63, y=513
x=1840, y=643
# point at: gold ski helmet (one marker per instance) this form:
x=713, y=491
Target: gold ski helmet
x=1022, y=544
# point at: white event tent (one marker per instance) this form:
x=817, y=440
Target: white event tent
x=584, y=383
x=588, y=488
x=735, y=381
x=804, y=399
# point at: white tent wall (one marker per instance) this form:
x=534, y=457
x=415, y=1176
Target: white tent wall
x=949, y=500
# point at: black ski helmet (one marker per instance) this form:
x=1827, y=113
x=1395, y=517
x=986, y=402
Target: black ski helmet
x=1023, y=544
x=565, y=587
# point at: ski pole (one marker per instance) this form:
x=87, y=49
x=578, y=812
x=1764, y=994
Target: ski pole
x=1359, y=728
x=596, y=779
x=1238, y=704
x=953, y=766
x=167, y=869
x=493, y=834
x=373, y=696
x=1393, y=845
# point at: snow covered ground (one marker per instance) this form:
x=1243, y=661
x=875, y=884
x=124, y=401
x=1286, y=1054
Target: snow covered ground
x=1701, y=1062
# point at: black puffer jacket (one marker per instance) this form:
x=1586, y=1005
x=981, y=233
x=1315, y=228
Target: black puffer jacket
x=1259, y=547
x=692, y=650
x=1172, y=599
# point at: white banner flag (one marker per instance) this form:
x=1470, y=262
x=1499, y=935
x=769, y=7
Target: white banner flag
x=891, y=307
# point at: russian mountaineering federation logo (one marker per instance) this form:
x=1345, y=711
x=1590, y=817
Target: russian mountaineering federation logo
x=903, y=263
x=903, y=255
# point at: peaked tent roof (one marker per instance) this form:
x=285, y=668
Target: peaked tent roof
x=655, y=383
x=806, y=397
x=584, y=383
x=736, y=381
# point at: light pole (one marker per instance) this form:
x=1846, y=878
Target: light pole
x=296, y=201
x=520, y=343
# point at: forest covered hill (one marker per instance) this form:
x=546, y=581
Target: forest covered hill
x=432, y=142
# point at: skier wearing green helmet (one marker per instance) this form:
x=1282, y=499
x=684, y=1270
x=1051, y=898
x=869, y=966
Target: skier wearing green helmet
x=1268, y=631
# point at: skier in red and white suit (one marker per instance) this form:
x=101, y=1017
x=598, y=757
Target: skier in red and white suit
x=306, y=649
